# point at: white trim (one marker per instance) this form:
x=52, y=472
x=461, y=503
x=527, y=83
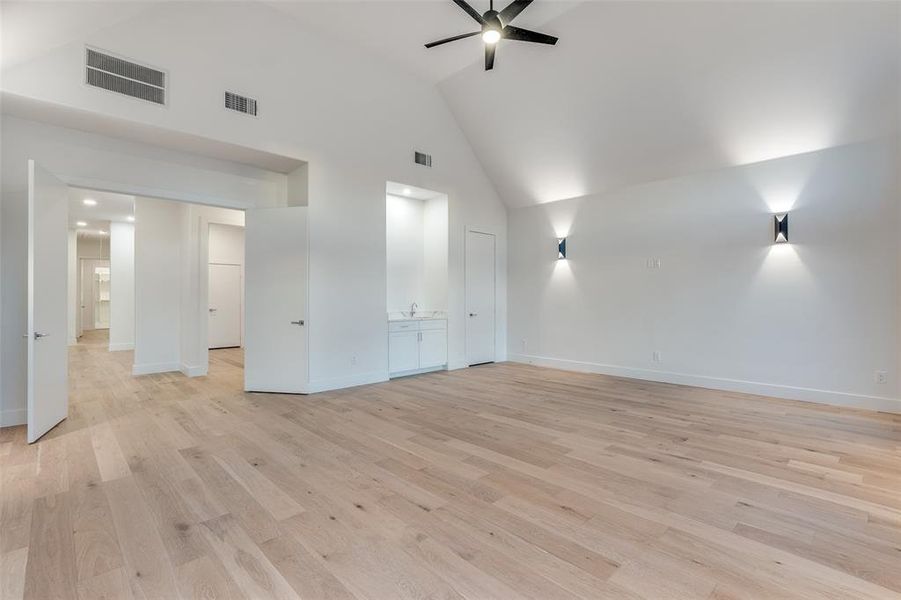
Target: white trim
x=151, y=368
x=121, y=346
x=878, y=403
x=14, y=416
x=193, y=370
x=456, y=364
x=337, y=383
x=397, y=374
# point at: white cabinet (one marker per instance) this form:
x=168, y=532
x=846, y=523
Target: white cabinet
x=403, y=351
x=416, y=345
x=432, y=348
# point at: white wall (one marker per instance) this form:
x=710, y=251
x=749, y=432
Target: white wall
x=72, y=287
x=122, y=287
x=416, y=249
x=158, y=250
x=357, y=131
x=811, y=320
x=434, y=243
x=404, y=252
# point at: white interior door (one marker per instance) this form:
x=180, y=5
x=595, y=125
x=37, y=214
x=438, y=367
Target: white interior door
x=480, y=297
x=275, y=300
x=46, y=331
x=225, y=306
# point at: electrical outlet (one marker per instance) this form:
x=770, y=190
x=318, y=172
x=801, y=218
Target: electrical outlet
x=653, y=263
x=880, y=377
x=655, y=356
x=353, y=360
x=523, y=344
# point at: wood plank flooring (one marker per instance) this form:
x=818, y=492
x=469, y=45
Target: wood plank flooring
x=501, y=481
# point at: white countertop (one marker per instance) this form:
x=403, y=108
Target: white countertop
x=425, y=315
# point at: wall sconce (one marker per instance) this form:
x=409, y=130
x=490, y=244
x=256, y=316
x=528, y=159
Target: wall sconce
x=780, y=228
x=561, y=248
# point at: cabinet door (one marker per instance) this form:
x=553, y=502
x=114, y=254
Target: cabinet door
x=433, y=348
x=403, y=351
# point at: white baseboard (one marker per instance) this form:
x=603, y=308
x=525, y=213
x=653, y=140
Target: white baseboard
x=151, y=368
x=15, y=416
x=119, y=347
x=417, y=372
x=880, y=403
x=73, y=341
x=337, y=383
x=193, y=370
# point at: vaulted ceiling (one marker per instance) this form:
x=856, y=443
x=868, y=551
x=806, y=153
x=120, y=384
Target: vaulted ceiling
x=633, y=92
x=641, y=91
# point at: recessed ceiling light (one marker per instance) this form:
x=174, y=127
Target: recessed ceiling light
x=89, y=202
x=407, y=191
x=81, y=224
x=130, y=218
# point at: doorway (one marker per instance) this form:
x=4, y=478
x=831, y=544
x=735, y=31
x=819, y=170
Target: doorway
x=480, y=283
x=95, y=294
x=225, y=269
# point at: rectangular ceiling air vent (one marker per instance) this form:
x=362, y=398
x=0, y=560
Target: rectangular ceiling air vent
x=421, y=158
x=241, y=104
x=124, y=77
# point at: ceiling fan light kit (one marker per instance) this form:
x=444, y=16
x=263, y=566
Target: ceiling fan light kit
x=496, y=27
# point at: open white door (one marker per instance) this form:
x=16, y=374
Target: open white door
x=47, y=377
x=275, y=300
x=480, y=297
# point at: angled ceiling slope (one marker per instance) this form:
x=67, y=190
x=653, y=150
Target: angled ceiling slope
x=641, y=91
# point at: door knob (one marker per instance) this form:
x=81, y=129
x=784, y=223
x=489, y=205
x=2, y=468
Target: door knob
x=38, y=335
x=212, y=310
x=298, y=323
x=473, y=314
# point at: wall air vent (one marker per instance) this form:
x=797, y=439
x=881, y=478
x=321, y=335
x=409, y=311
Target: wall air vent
x=124, y=77
x=241, y=104
x=421, y=158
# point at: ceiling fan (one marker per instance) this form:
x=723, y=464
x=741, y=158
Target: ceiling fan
x=496, y=27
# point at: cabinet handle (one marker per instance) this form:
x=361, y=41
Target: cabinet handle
x=300, y=323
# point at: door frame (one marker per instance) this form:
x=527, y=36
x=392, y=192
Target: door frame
x=486, y=231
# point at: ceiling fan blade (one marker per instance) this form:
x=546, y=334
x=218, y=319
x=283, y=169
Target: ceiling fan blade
x=470, y=11
x=452, y=39
x=513, y=9
x=524, y=35
x=489, y=56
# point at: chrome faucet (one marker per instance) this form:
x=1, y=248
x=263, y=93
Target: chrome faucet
x=413, y=308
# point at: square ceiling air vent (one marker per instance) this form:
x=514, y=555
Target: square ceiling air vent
x=421, y=158
x=122, y=76
x=241, y=104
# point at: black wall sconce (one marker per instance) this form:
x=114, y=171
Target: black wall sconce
x=561, y=248
x=780, y=228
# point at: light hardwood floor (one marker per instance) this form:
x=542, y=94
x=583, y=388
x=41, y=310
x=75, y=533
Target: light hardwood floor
x=503, y=481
